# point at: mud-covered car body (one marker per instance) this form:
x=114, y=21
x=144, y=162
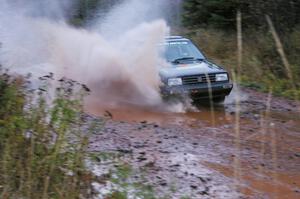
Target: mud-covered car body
x=190, y=73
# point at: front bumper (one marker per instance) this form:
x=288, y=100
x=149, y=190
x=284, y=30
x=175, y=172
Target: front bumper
x=198, y=91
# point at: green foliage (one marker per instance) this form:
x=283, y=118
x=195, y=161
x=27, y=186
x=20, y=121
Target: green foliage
x=185, y=197
x=42, y=147
x=85, y=9
x=88, y=9
x=127, y=185
x=117, y=195
x=124, y=171
x=204, y=13
x=222, y=13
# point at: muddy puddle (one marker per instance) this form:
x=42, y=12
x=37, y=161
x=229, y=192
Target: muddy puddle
x=178, y=149
x=198, y=116
x=251, y=108
x=264, y=183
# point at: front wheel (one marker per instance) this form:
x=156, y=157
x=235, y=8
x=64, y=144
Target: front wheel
x=219, y=100
x=207, y=101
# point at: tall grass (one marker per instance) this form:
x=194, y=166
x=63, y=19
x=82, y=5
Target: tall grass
x=42, y=147
x=237, y=164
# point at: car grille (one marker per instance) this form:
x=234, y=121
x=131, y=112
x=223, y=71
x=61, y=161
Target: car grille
x=198, y=79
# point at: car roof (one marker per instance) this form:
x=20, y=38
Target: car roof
x=176, y=38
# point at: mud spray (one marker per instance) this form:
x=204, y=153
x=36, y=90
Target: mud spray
x=116, y=56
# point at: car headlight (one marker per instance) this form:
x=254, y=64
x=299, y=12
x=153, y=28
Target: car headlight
x=221, y=77
x=174, y=81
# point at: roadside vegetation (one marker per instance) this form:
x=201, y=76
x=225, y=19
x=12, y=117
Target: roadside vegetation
x=41, y=143
x=213, y=25
x=44, y=137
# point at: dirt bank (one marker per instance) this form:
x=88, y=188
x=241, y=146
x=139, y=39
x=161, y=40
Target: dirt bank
x=208, y=154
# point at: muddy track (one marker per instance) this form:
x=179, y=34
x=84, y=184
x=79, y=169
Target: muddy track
x=206, y=154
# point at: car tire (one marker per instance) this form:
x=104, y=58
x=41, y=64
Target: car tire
x=219, y=100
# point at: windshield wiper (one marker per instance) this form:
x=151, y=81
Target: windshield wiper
x=177, y=61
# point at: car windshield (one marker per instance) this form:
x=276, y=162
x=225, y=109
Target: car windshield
x=181, y=50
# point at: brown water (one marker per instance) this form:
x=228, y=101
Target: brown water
x=270, y=184
x=193, y=118
x=268, y=154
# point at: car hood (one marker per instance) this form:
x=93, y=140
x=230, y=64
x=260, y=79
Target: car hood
x=194, y=68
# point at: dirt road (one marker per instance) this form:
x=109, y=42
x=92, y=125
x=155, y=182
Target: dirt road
x=251, y=153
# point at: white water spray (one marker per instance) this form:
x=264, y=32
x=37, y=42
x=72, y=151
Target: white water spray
x=120, y=68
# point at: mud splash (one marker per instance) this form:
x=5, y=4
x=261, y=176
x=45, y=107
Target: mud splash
x=120, y=71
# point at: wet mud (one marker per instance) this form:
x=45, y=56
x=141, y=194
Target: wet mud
x=249, y=151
